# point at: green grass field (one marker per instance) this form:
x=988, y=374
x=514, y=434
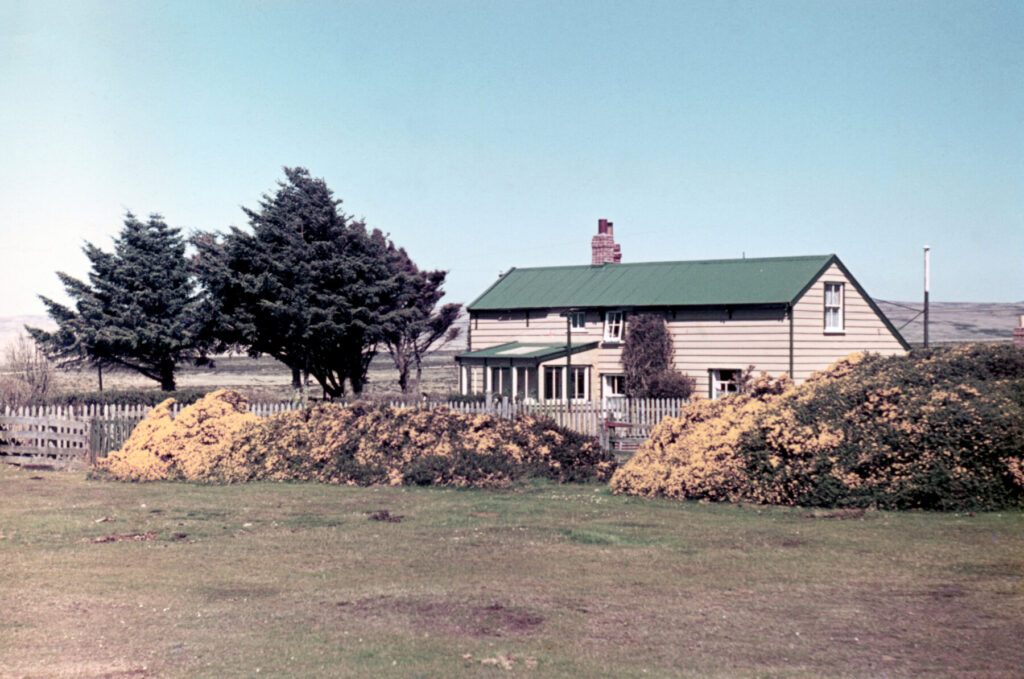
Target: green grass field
x=111, y=580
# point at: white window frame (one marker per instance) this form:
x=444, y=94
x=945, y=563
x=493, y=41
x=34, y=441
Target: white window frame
x=834, y=296
x=614, y=326
x=719, y=384
x=578, y=321
x=501, y=380
x=583, y=394
x=608, y=389
x=554, y=383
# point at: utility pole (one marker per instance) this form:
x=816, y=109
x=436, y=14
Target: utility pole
x=568, y=362
x=926, y=286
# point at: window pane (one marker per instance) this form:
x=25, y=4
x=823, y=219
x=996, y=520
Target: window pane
x=579, y=383
x=723, y=382
x=833, y=306
x=613, y=325
x=614, y=385
x=552, y=384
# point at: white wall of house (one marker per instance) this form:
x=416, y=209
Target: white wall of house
x=816, y=349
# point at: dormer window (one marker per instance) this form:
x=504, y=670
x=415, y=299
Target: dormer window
x=614, y=326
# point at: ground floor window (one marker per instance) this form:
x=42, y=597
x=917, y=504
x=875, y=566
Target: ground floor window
x=723, y=381
x=613, y=386
x=526, y=383
x=501, y=381
x=553, y=383
x=471, y=379
x=579, y=390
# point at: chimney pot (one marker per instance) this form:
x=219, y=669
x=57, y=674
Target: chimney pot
x=603, y=248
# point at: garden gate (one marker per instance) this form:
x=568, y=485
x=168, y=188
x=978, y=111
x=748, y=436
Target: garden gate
x=43, y=442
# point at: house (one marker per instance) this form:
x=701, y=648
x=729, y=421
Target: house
x=554, y=332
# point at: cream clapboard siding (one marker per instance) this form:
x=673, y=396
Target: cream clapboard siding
x=863, y=330
x=708, y=340
x=489, y=329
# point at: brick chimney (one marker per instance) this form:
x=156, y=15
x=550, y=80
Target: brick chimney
x=603, y=248
x=1018, y=333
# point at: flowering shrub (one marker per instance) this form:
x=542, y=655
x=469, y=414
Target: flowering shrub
x=217, y=440
x=938, y=429
x=696, y=455
x=190, y=446
x=365, y=444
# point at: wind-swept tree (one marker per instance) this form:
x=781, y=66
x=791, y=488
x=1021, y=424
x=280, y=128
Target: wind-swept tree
x=418, y=327
x=307, y=284
x=138, y=311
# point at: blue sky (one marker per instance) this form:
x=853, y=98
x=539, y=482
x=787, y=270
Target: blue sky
x=485, y=134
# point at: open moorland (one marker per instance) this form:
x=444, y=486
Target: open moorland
x=264, y=378
x=114, y=580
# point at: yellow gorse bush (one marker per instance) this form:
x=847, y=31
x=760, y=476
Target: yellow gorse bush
x=696, y=454
x=941, y=429
x=190, y=446
x=218, y=440
x=363, y=444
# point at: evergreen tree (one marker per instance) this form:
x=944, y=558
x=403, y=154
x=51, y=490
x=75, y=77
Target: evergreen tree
x=138, y=311
x=418, y=326
x=647, y=358
x=308, y=285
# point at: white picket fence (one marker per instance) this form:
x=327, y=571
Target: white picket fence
x=618, y=423
x=125, y=412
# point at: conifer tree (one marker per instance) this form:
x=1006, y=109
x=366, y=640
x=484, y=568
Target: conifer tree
x=138, y=311
x=307, y=284
x=418, y=326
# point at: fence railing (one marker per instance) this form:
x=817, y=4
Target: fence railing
x=60, y=433
x=43, y=441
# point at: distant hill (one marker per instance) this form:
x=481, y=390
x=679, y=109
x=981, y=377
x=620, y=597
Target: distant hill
x=12, y=326
x=950, y=322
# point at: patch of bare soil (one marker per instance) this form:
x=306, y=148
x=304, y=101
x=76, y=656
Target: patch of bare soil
x=386, y=516
x=450, y=618
x=123, y=537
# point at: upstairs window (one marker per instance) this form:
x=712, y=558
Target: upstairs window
x=578, y=320
x=833, y=307
x=614, y=326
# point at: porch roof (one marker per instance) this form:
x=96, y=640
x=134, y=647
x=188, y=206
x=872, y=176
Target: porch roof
x=525, y=352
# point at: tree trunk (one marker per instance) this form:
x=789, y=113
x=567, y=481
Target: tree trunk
x=296, y=378
x=167, y=376
x=403, y=375
x=419, y=373
x=99, y=375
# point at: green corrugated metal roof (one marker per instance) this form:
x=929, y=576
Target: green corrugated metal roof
x=772, y=280
x=528, y=350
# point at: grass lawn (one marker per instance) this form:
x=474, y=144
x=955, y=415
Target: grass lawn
x=546, y=581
